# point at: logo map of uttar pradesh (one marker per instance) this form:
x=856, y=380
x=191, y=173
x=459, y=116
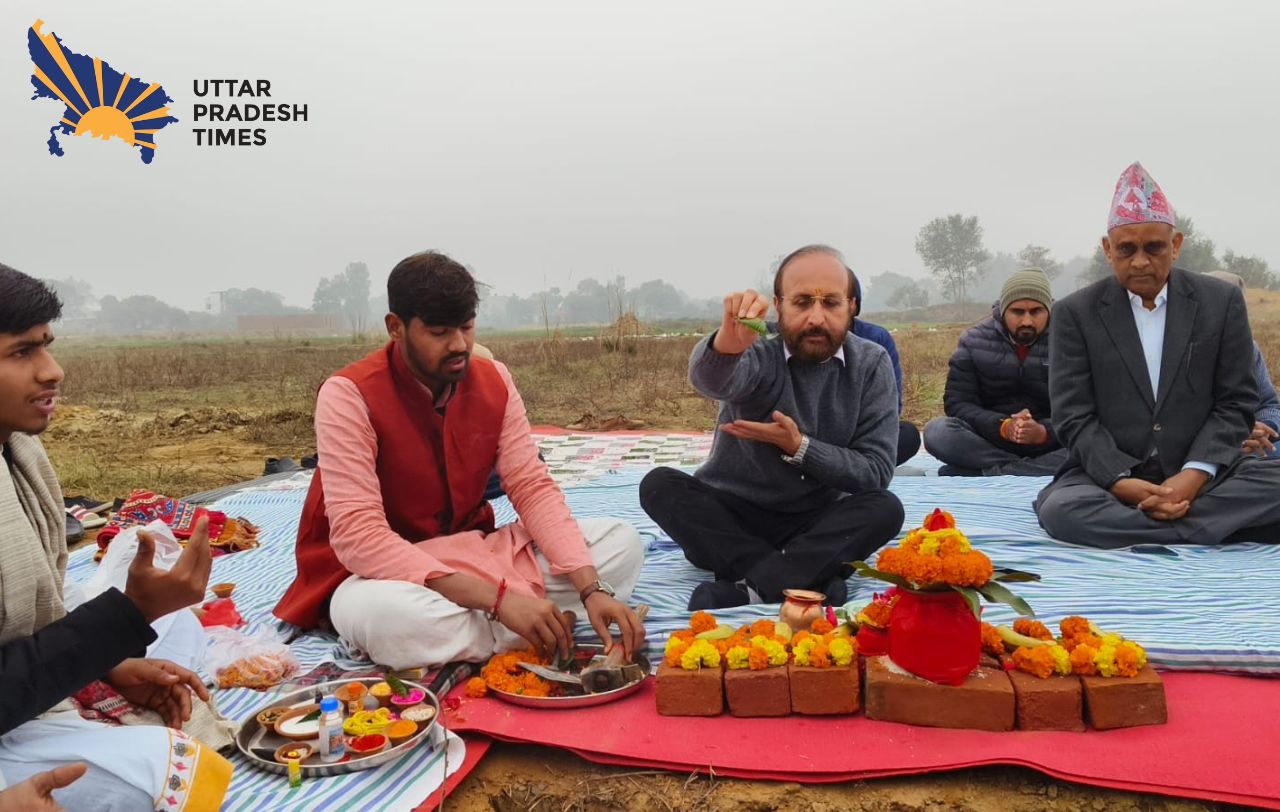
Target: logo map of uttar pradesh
x=99, y=100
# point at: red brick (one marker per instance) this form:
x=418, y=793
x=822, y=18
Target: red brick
x=1054, y=703
x=984, y=701
x=824, y=691
x=1112, y=702
x=758, y=693
x=689, y=693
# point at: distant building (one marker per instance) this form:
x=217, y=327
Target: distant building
x=293, y=323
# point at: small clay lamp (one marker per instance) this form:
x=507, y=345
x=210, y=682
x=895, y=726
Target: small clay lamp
x=223, y=590
x=293, y=750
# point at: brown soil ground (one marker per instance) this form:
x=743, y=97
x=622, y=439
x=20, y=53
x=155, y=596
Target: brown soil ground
x=179, y=417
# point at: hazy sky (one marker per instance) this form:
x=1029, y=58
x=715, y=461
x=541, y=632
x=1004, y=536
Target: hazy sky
x=542, y=142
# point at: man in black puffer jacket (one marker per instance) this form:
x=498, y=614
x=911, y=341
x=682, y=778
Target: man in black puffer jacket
x=997, y=395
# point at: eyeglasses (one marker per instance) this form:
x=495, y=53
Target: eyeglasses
x=829, y=303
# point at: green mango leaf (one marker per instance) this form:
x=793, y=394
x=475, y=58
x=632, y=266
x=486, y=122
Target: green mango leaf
x=311, y=717
x=998, y=594
x=865, y=570
x=1009, y=576
x=971, y=597
x=755, y=324
x=397, y=687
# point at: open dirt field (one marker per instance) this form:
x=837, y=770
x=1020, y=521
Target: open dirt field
x=184, y=416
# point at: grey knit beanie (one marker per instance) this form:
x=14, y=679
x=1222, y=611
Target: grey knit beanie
x=1029, y=283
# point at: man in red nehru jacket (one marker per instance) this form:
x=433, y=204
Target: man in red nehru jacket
x=397, y=547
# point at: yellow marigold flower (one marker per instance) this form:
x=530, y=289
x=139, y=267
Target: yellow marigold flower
x=1061, y=660
x=775, y=651
x=841, y=651
x=701, y=653
x=930, y=545
x=800, y=652
x=738, y=657
x=1105, y=660
x=1112, y=639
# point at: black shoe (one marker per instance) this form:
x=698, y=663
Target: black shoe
x=75, y=530
x=717, y=595
x=956, y=470
x=87, y=502
x=837, y=591
x=277, y=466
x=311, y=461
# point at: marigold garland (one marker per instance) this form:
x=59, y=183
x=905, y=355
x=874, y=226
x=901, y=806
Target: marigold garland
x=943, y=557
x=503, y=673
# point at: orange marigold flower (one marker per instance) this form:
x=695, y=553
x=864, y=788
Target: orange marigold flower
x=798, y=637
x=1091, y=640
x=1032, y=628
x=675, y=650
x=686, y=635
x=1074, y=626
x=763, y=628
x=758, y=660
x=820, y=626
x=1082, y=660
x=820, y=657
x=1126, y=661
x=1035, y=660
x=991, y=642
x=702, y=622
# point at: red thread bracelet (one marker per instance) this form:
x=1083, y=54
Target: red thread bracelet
x=492, y=614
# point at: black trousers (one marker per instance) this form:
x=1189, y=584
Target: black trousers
x=737, y=539
x=908, y=441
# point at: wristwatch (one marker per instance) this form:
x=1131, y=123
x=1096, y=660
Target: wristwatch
x=598, y=586
x=797, y=459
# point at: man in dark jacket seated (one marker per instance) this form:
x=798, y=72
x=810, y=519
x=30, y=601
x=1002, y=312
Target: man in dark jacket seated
x=997, y=397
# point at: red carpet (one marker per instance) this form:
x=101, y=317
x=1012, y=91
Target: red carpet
x=1219, y=744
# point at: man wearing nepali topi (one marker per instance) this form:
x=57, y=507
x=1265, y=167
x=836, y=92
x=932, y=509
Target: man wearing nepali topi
x=1153, y=392
x=397, y=547
x=796, y=485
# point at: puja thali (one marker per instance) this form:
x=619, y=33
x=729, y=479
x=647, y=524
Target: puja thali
x=583, y=655
x=260, y=739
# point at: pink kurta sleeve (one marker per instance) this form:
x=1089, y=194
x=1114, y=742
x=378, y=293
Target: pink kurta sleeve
x=358, y=530
x=537, y=499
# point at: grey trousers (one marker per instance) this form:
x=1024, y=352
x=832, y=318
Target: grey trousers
x=951, y=440
x=1241, y=505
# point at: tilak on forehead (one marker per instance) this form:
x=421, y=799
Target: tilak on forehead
x=1138, y=199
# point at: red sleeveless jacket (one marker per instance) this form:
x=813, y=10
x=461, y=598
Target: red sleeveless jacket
x=432, y=470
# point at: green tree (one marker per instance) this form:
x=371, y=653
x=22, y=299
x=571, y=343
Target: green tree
x=346, y=293
x=951, y=248
x=76, y=295
x=910, y=294
x=1037, y=256
x=1197, y=250
x=252, y=302
x=1253, y=270
x=1098, y=267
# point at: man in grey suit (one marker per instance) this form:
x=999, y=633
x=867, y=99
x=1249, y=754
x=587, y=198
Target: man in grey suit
x=1152, y=389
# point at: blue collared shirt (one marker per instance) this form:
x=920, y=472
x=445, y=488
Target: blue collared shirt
x=1151, y=324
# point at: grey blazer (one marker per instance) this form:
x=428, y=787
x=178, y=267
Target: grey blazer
x=1103, y=407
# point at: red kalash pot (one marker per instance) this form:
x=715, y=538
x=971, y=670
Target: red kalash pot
x=935, y=635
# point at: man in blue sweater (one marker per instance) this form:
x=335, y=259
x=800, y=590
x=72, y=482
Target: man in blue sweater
x=796, y=483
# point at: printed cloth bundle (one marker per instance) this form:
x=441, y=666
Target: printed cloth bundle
x=226, y=535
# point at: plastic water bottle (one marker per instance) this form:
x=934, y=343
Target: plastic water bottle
x=333, y=745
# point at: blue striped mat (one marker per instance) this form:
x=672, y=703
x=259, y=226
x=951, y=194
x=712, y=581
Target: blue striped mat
x=1201, y=608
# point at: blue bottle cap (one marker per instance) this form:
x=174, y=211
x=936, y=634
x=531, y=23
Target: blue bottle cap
x=329, y=704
